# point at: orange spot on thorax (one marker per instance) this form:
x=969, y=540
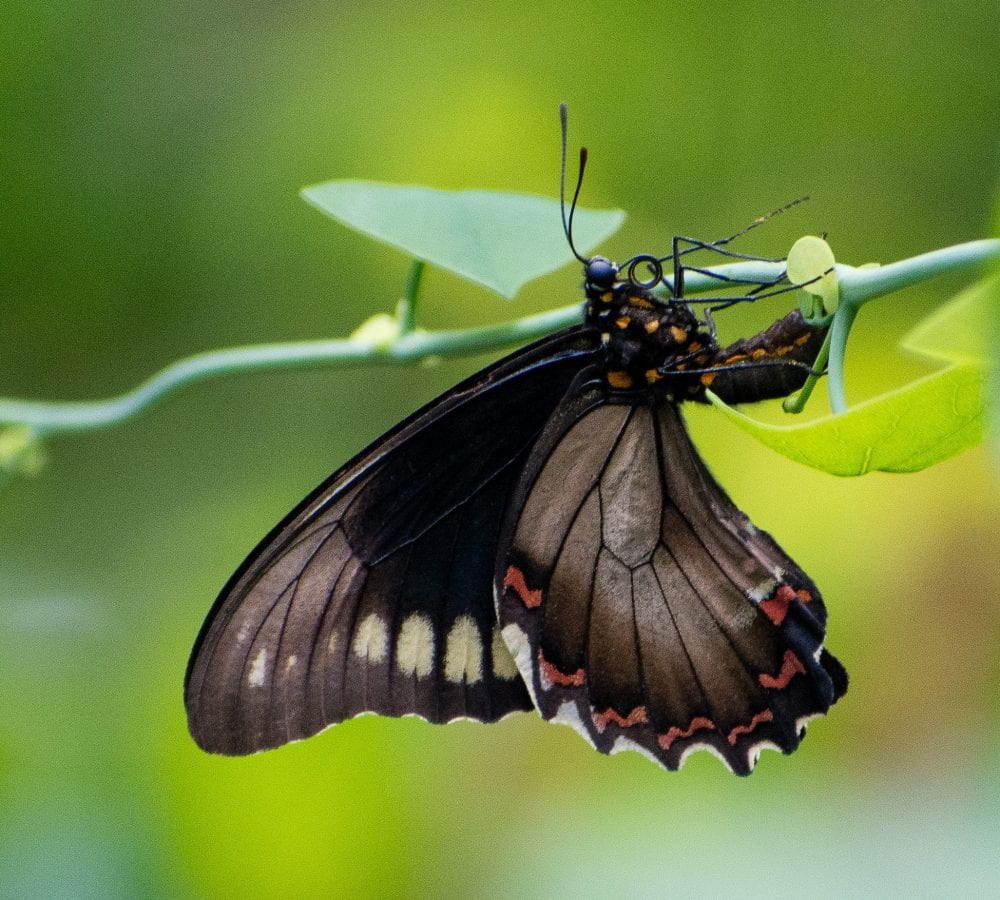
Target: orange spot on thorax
x=619, y=379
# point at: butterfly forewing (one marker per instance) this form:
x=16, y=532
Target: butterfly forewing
x=641, y=606
x=376, y=593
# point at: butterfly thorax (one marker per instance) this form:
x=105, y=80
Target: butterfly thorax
x=648, y=340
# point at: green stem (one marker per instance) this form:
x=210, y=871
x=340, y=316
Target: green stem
x=857, y=287
x=860, y=285
x=48, y=418
x=406, y=309
x=839, y=331
x=797, y=402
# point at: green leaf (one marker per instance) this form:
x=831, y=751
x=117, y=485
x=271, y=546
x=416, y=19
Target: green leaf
x=501, y=241
x=912, y=427
x=961, y=331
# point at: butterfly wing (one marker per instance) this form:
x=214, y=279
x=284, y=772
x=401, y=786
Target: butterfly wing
x=376, y=593
x=642, y=607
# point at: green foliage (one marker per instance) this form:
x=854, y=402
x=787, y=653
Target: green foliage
x=505, y=240
x=912, y=427
x=501, y=241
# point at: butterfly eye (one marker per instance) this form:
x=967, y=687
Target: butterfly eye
x=601, y=272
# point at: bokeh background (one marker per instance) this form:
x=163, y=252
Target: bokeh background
x=151, y=158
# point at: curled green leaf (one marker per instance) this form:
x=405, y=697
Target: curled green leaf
x=914, y=426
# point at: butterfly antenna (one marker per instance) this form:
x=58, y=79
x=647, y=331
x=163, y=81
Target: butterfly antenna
x=760, y=220
x=568, y=221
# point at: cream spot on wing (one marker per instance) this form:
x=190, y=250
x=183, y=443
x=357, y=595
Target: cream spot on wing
x=415, y=646
x=243, y=635
x=520, y=646
x=290, y=663
x=258, y=669
x=371, y=639
x=463, y=652
x=331, y=643
x=503, y=663
x=520, y=649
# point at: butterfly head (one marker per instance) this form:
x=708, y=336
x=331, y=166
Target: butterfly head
x=600, y=274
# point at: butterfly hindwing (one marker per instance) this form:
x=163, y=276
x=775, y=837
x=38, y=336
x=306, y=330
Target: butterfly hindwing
x=376, y=593
x=642, y=607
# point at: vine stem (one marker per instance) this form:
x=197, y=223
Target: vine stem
x=406, y=309
x=857, y=286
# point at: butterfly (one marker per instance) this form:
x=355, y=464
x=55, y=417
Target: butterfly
x=543, y=536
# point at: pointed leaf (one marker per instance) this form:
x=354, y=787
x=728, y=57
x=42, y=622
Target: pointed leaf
x=961, y=330
x=501, y=241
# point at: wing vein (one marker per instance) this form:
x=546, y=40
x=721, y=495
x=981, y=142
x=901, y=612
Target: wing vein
x=596, y=486
x=263, y=619
x=680, y=637
x=697, y=466
x=327, y=606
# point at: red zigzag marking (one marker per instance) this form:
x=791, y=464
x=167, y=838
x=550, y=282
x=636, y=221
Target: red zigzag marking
x=791, y=666
x=700, y=722
x=763, y=716
x=638, y=716
x=552, y=676
x=697, y=723
x=514, y=579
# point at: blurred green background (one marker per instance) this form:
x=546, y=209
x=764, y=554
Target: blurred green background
x=151, y=158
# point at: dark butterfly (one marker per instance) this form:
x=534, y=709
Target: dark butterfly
x=544, y=535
